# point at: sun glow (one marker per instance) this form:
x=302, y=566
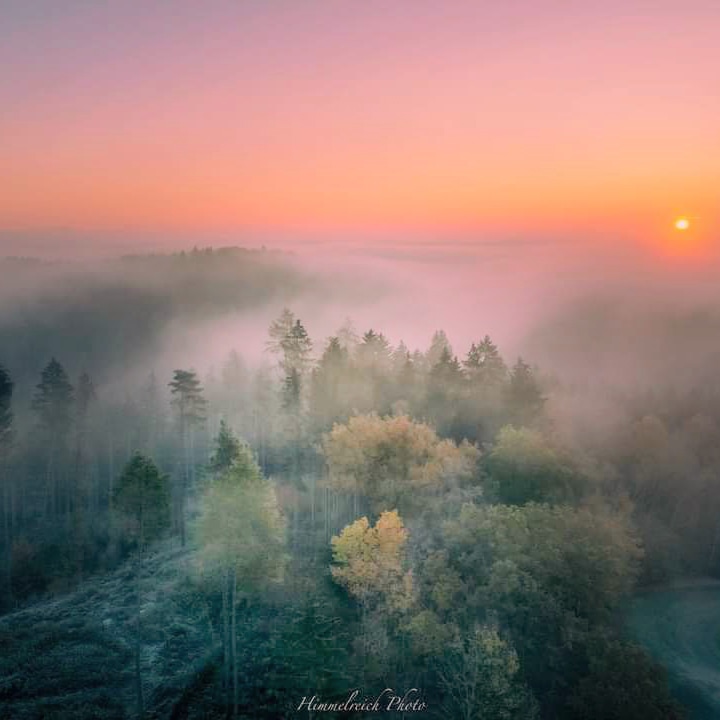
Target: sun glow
x=682, y=223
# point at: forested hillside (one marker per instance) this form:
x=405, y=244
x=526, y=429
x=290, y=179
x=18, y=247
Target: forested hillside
x=346, y=513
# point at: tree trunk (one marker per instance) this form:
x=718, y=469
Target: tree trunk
x=226, y=636
x=234, y=644
x=138, y=630
x=7, y=528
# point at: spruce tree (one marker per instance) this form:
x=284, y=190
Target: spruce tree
x=6, y=439
x=53, y=402
x=6, y=414
x=524, y=397
x=141, y=503
x=484, y=364
x=191, y=406
x=227, y=449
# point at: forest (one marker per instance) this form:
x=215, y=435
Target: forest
x=314, y=516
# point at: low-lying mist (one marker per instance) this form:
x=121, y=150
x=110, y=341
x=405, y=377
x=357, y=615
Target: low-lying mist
x=592, y=317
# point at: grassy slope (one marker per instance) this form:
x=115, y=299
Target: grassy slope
x=680, y=627
x=72, y=657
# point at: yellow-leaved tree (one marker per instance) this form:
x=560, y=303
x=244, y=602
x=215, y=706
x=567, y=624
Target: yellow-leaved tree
x=370, y=563
x=391, y=460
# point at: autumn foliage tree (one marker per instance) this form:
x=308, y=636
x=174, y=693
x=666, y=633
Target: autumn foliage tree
x=370, y=563
x=393, y=461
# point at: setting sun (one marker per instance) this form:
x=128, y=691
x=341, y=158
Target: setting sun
x=682, y=223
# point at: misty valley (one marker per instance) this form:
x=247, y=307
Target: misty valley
x=208, y=520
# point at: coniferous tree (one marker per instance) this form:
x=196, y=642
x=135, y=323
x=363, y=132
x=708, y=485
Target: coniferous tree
x=484, y=364
x=234, y=386
x=279, y=331
x=348, y=337
x=85, y=398
x=6, y=440
x=6, y=414
x=484, y=410
x=329, y=385
x=152, y=414
x=524, y=397
x=374, y=352
x=298, y=349
x=227, y=449
x=445, y=387
x=191, y=407
x=141, y=503
x=438, y=346
x=264, y=416
x=373, y=357
x=53, y=402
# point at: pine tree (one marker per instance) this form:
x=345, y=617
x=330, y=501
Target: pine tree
x=6, y=414
x=348, y=337
x=6, y=440
x=438, y=346
x=400, y=356
x=524, y=397
x=85, y=398
x=484, y=364
x=227, y=449
x=53, y=402
x=328, y=383
x=141, y=503
x=151, y=414
x=191, y=406
x=298, y=349
x=445, y=387
x=279, y=331
x=264, y=415
x=374, y=352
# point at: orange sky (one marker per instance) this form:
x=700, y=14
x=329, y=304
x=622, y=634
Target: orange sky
x=404, y=116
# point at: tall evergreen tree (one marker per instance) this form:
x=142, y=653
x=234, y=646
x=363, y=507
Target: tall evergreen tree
x=297, y=349
x=188, y=399
x=53, y=402
x=53, y=399
x=445, y=388
x=374, y=352
x=329, y=385
x=141, y=502
x=6, y=414
x=484, y=365
x=438, y=346
x=152, y=414
x=6, y=439
x=85, y=398
x=227, y=449
x=348, y=337
x=279, y=331
x=524, y=397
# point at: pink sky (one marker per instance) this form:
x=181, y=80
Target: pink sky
x=403, y=119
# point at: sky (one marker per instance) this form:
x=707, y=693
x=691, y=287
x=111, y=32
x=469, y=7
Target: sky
x=385, y=125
